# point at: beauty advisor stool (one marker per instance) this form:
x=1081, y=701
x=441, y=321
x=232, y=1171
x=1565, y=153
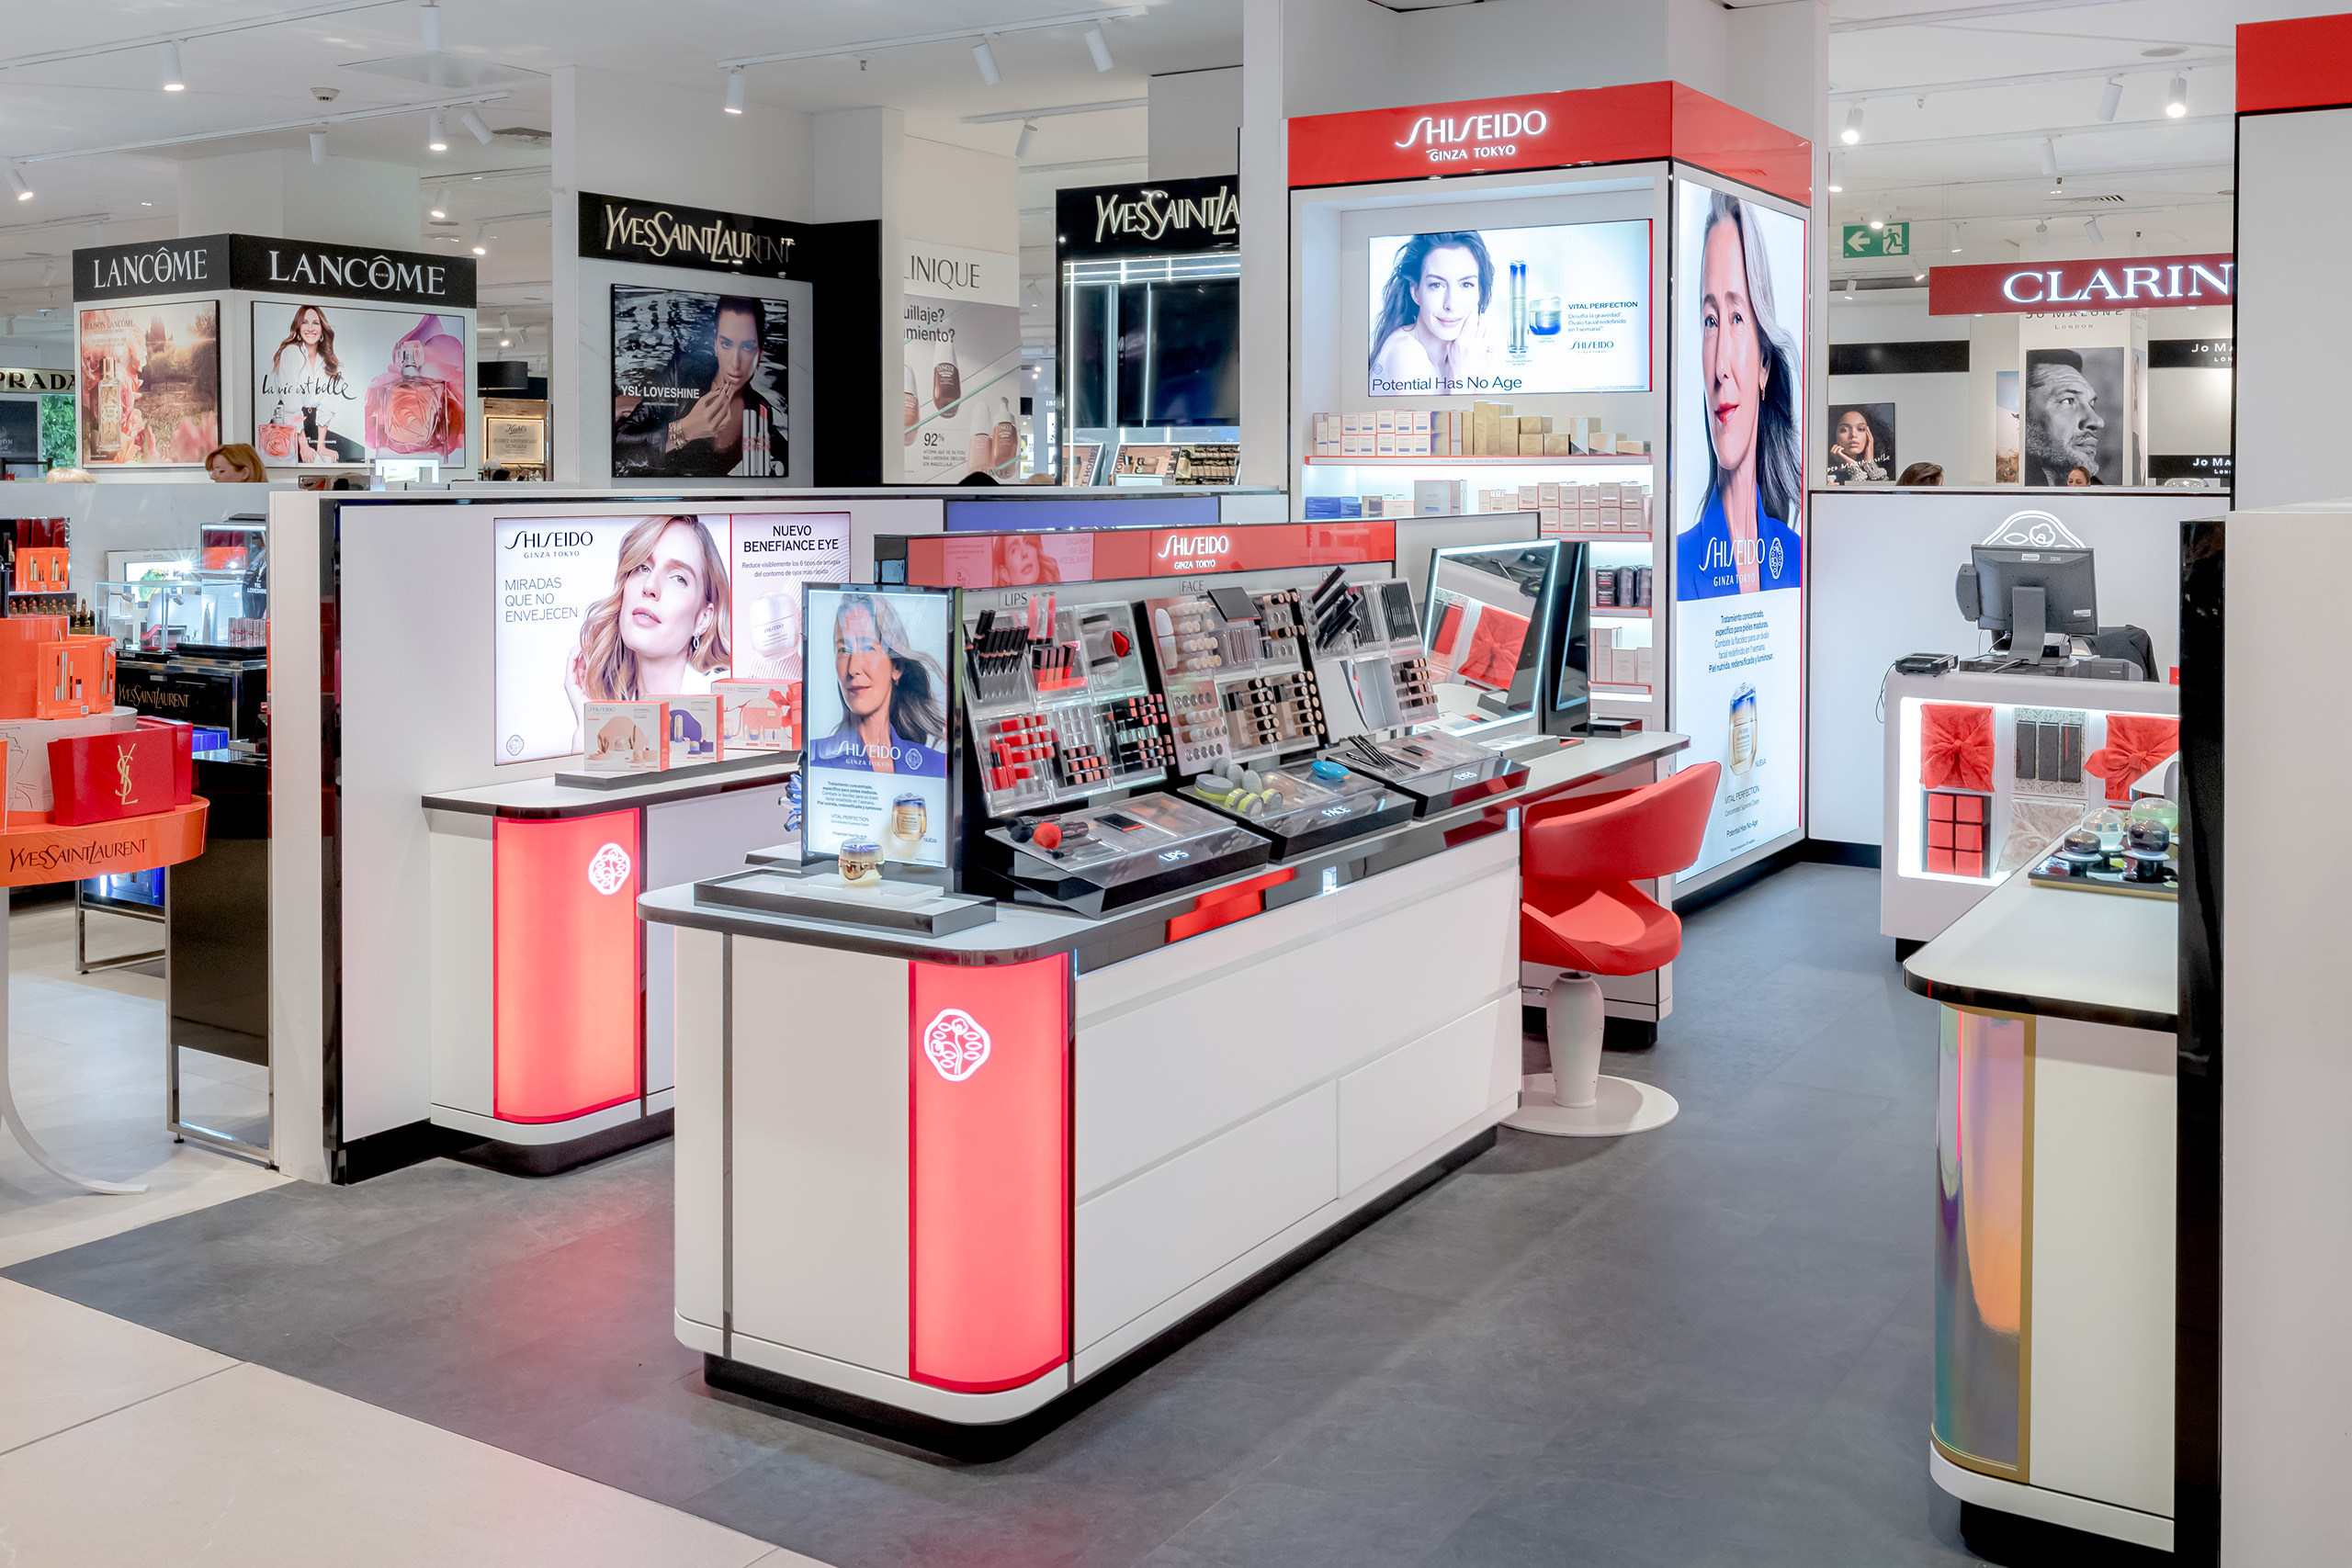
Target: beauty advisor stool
x=1579, y=910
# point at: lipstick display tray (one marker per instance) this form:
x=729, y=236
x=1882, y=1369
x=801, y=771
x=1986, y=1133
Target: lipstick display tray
x=1060, y=706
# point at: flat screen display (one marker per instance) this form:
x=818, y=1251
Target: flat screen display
x=1481, y=313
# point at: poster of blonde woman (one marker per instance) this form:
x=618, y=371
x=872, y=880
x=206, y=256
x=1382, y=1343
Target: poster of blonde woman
x=151, y=384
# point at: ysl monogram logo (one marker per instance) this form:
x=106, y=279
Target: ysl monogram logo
x=122, y=774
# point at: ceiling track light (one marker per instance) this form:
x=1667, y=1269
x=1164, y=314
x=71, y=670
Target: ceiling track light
x=2041, y=232
x=441, y=203
x=472, y=122
x=986, y=59
x=428, y=25
x=2048, y=156
x=173, y=80
x=1837, y=171
x=1028, y=135
x=1097, y=48
x=2177, y=97
x=735, y=90
x=1853, y=131
x=481, y=236
x=436, y=132
x=318, y=147
x=2111, y=99
x=49, y=275
x=16, y=182
x=2090, y=232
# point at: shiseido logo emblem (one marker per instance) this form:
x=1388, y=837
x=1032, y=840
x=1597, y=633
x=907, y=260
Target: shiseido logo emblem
x=527, y=540
x=1775, y=559
x=608, y=869
x=955, y=1044
x=1171, y=856
x=1463, y=774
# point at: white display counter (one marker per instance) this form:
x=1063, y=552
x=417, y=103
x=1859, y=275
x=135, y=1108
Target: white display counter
x=1151, y=1121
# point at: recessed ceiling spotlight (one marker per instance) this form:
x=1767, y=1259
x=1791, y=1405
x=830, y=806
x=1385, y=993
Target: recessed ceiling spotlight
x=1853, y=131
x=16, y=182
x=173, y=79
x=441, y=203
x=2112, y=98
x=505, y=343
x=436, y=132
x=735, y=89
x=472, y=122
x=1097, y=48
x=2177, y=97
x=1918, y=277
x=983, y=57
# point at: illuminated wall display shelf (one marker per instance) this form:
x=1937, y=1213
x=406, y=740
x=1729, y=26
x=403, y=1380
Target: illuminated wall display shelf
x=1586, y=460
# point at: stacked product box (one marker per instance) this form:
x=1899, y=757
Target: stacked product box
x=1616, y=665
x=1484, y=430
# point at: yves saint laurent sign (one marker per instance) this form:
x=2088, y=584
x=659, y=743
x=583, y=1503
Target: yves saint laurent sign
x=1155, y=217
x=265, y=265
x=621, y=228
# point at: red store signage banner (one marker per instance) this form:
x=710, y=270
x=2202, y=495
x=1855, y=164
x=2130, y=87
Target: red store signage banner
x=1550, y=131
x=983, y=560
x=2138, y=284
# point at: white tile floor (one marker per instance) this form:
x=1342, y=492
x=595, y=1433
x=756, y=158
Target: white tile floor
x=122, y=1446
x=119, y=1446
x=86, y=1053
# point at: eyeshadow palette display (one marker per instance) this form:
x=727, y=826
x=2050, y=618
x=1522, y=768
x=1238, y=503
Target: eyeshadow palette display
x=1302, y=806
x=1235, y=686
x=1958, y=821
x=1439, y=771
x=1060, y=705
x=1098, y=859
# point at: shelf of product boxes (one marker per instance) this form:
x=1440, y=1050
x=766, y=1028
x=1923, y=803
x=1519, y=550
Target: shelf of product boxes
x=1616, y=613
x=1631, y=536
x=1617, y=691
x=1582, y=461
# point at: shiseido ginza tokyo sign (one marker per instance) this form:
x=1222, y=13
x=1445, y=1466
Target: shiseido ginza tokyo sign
x=1460, y=140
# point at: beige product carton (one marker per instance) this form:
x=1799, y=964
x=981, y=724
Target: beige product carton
x=1623, y=665
x=1646, y=667
x=1384, y=421
x=1352, y=424
x=1542, y=422
x=1421, y=422
x=1385, y=443
x=1557, y=446
x=1530, y=446
x=1456, y=437
x=1531, y=498
x=1633, y=448
x=1437, y=498
x=1588, y=432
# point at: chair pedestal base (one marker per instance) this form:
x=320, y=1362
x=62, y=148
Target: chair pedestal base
x=1620, y=1106
x=1574, y=1099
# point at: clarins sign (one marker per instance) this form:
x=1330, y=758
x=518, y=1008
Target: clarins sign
x=2138, y=283
x=261, y=264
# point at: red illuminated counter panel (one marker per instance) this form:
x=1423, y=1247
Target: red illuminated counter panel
x=956, y=1175
x=551, y=1017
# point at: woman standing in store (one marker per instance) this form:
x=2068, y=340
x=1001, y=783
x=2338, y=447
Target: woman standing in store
x=893, y=718
x=1741, y=542
x=1430, y=334
x=663, y=630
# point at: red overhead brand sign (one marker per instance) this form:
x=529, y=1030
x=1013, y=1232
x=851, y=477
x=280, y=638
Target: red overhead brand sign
x=1550, y=131
x=2141, y=284
x=983, y=560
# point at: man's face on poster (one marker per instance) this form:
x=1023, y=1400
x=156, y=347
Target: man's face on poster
x=2062, y=421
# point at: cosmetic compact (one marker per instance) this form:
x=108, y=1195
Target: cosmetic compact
x=861, y=863
x=1437, y=770
x=1299, y=808
x=1098, y=859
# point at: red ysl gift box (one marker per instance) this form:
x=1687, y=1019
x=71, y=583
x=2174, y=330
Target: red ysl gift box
x=98, y=778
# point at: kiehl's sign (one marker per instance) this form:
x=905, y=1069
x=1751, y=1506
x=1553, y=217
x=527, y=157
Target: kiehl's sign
x=2138, y=284
x=263, y=264
x=1155, y=217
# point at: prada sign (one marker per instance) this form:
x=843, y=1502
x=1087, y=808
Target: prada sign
x=266, y=265
x=1154, y=218
x=16, y=380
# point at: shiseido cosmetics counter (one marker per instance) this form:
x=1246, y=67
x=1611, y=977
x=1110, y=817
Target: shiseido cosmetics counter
x=1156, y=911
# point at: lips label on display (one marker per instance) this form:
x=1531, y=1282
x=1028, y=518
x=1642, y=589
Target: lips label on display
x=955, y=1044
x=608, y=870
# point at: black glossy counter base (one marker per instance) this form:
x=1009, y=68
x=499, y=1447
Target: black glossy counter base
x=553, y=1159
x=2015, y=1542
x=870, y=1419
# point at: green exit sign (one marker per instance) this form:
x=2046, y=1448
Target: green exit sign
x=1861, y=239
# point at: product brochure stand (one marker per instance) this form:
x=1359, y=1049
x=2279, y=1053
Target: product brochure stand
x=572, y=778
x=35, y=853
x=897, y=905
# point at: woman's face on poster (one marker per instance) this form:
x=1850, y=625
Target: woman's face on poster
x=1731, y=356
x=737, y=345
x=1853, y=436
x=663, y=606
x=310, y=325
x=1446, y=294
x=862, y=663
x=1023, y=560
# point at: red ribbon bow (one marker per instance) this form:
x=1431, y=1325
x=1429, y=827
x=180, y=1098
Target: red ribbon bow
x=2135, y=742
x=1955, y=746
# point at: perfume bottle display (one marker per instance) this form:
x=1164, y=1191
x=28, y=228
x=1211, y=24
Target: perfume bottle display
x=417, y=406
x=946, y=385
x=1005, y=447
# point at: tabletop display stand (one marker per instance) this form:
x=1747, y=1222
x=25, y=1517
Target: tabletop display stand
x=42, y=851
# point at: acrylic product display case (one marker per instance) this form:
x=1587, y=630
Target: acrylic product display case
x=1436, y=770
x=1060, y=705
x=1228, y=661
x=1101, y=858
x=1303, y=805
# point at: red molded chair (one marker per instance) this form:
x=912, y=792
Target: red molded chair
x=1579, y=910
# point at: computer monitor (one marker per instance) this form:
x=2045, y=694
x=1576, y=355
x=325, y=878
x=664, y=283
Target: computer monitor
x=2029, y=591
x=1487, y=621
x=1567, y=704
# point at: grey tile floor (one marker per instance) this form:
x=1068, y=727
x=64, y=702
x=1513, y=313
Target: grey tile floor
x=1706, y=1345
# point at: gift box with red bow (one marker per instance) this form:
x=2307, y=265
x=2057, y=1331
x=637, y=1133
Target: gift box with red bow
x=1955, y=746
x=2135, y=743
